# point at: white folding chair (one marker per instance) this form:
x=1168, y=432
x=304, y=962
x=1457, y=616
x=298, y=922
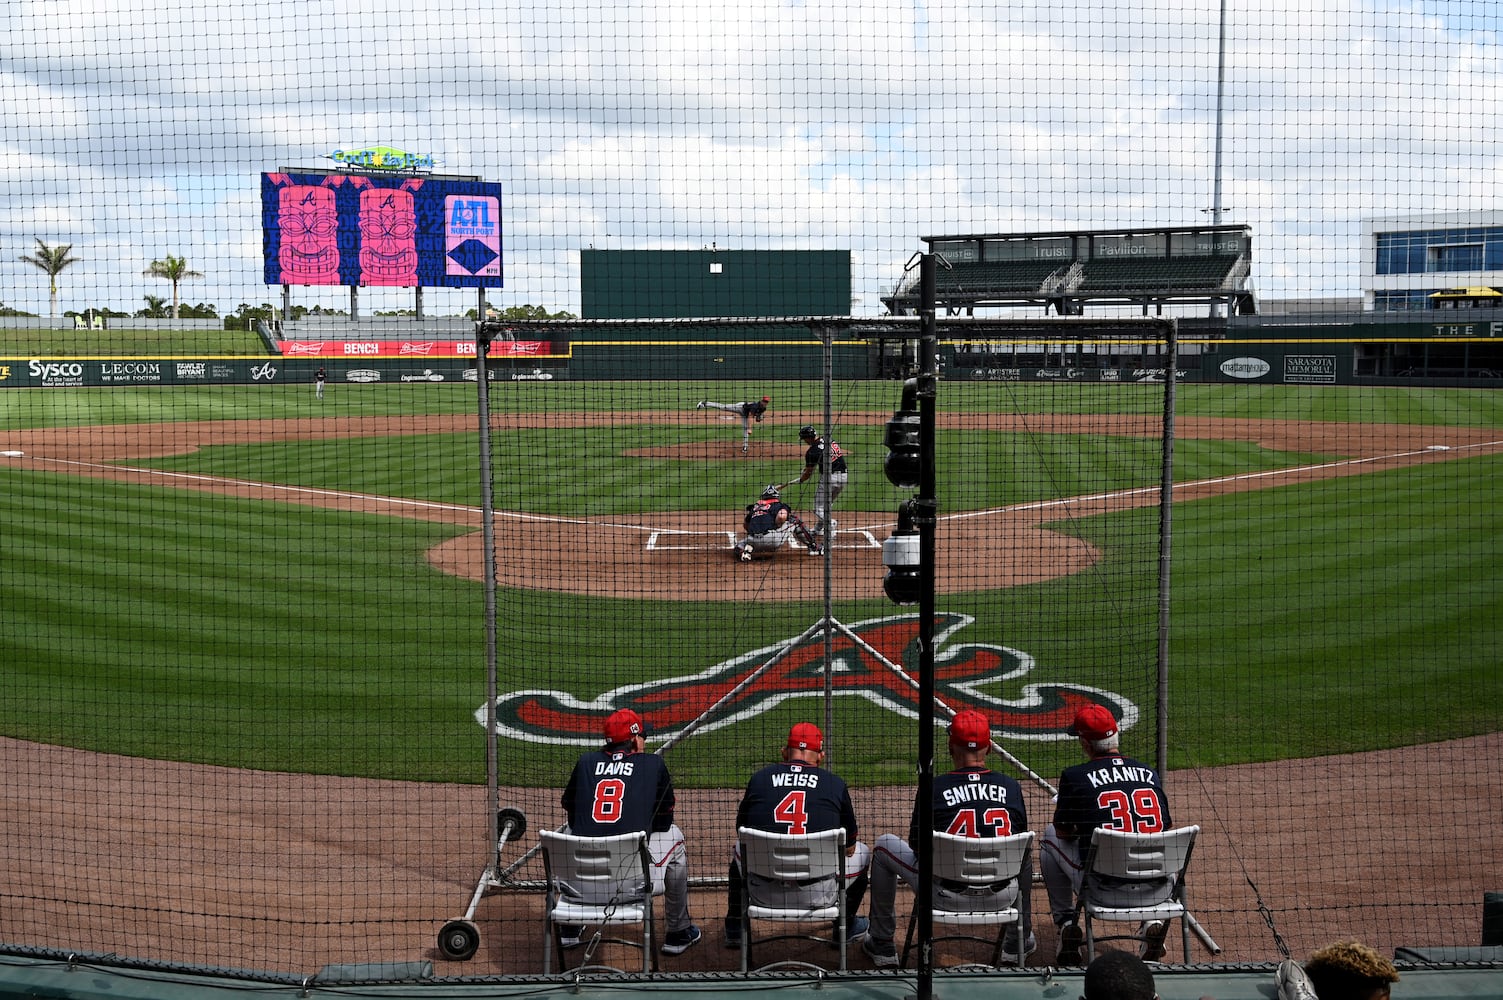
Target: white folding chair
x=599, y=882
x=777, y=870
x=979, y=866
x=1136, y=877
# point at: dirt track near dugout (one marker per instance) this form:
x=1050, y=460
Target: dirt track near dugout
x=370, y=869
x=684, y=554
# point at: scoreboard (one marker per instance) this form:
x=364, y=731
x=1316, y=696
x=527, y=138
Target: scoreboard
x=380, y=230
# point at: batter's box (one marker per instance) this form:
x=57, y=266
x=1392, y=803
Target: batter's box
x=668, y=541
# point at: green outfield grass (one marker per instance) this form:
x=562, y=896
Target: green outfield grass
x=1359, y=616
x=62, y=407
x=602, y=479
x=67, y=343
x=59, y=407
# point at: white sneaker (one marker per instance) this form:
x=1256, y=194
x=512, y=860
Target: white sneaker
x=882, y=953
x=1292, y=983
x=746, y=555
x=701, y=404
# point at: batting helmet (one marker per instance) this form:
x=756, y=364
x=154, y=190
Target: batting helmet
x=770, y=492
x=807, y=433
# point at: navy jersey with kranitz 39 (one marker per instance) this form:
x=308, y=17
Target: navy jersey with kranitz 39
x=769, y=523
x=975, y=802
x=614, y=793
x=797, y=798
x=1111, y=792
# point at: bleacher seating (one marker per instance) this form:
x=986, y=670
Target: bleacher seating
x=991, y=278
x=1158, y=274
x=1142, y=268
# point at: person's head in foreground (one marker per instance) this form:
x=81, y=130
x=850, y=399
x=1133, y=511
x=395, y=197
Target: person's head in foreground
x=806, y=744
x=1350, y=970
x=1117, y=975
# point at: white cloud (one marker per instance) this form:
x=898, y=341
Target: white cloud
x=136, y=130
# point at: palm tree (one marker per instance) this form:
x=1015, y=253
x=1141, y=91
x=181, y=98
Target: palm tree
x=175, y=270
x=156, y=307
x=52, y=260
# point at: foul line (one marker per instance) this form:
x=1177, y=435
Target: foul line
x=312, y=491
x=655, y=532
x=1239, y=477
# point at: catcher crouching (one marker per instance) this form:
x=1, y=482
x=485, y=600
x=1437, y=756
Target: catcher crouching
x=769, y=523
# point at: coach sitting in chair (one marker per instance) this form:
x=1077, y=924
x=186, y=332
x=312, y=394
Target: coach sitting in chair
x=970, y=800
x=1109, y=791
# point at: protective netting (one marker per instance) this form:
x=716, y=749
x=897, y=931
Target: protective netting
x=245, y=645
x=248, y=658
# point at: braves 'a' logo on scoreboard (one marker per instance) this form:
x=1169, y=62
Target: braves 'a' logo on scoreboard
x=970, y=674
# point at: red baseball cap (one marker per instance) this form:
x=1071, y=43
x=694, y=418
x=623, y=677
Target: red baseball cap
x=970, y=729
x=766, y=399
x=622, y=725
x=1094, y=722
x=806, y=736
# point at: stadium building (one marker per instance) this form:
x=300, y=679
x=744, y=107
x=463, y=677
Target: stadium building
x=1428, y=314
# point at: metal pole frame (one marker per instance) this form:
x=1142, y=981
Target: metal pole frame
x=925, y=511
x=1166, y=539
x=924, y=508
x=488, y=534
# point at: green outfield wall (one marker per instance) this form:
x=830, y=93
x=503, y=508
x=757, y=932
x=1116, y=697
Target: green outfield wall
x=1431, y=362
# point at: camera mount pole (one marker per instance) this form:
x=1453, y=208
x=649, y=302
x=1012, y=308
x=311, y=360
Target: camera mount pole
x=925, y=510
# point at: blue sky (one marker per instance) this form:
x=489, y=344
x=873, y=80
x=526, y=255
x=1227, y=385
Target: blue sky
x=137, y=130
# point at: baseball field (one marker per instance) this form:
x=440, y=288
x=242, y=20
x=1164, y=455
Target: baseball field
x=249, y=627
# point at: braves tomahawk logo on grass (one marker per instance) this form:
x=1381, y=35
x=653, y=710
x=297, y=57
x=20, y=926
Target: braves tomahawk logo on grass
x=969, y=674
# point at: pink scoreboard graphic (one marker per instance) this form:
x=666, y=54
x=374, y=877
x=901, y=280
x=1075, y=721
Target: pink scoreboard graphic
x=376, y=230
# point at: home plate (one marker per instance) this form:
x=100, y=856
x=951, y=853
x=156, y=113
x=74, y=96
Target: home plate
x=12, y=454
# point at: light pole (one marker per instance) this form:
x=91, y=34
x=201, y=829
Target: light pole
x=1216, y=169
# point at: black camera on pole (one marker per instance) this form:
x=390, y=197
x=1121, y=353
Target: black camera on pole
x=903, y=465
x=900, y=554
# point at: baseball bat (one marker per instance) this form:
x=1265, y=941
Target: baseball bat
x=1202, y=934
